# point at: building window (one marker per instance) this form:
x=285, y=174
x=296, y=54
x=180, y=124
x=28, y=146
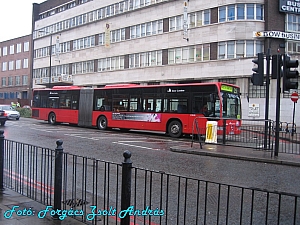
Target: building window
x=3, y=81
x=175, y=23
x=4, y=66
x=240, y=12
x=83, y=67
x=26, y=46
x=19, y=47
x=292, y=22
x=25, y=80
x=256, y=91
x=25, y=63
x=11, y=49
x=17, y=81
x=11, y=65
x=236, y=49
x=228, y=80
x=4, y=51
x=10, y=81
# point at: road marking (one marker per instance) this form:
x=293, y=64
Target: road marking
x=136, y=146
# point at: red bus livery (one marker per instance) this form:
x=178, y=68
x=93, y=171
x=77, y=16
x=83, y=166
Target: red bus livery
x=170, y=108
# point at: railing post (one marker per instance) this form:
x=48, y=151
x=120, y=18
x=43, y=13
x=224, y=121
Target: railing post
x=224, y=132
x=126, y=186
x=1, y=159
x=58, y=177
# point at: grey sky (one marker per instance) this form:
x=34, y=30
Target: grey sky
x=15, y=18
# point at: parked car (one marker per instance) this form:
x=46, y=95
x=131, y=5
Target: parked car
x=11, y=113
x=26, y=107
x=3, y=117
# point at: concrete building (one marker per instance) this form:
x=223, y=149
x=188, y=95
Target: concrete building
x=99, y=42
x=15, y=62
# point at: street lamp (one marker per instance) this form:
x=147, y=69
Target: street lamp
x=50, y=58
x=50, y=55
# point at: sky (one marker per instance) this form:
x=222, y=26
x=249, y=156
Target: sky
x=15, y=18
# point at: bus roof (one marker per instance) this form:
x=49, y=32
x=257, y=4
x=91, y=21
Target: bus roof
x=128, y=85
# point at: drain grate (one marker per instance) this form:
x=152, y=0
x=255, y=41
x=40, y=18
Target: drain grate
x=75, y=202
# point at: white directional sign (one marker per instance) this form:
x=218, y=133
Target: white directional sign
x=253, y=110
x=277, y=34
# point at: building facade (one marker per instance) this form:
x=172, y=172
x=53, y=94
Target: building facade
x=15, y=62
x=99, y=42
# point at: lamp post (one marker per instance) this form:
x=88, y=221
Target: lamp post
x=50, y=58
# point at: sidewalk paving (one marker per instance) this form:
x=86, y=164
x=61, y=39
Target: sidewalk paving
x=239, y=153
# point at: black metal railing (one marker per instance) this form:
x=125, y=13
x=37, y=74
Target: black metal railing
x=102, y=192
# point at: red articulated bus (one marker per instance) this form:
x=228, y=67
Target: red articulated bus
x=170, y=108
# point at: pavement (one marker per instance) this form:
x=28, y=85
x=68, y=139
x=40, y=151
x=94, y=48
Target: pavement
x=27, y=210
x=238, y=153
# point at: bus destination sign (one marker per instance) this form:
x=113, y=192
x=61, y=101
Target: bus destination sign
x=169, y=90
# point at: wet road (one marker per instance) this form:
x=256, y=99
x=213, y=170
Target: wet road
x=151, y=151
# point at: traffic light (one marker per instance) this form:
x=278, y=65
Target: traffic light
x=288, y=64
x=258, y=77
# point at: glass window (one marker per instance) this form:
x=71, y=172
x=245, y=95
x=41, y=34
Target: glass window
x=19, y=47
x=171, y=56
x=192, y=20
x=206, y=17
x=4, y=51
x=199, y=53
x=178, y=55
x=11, y=49
x=199, y=18
x=11, y=65
x=222, y=14
x=240, y=49
x=259, y=12
x=25, y=80
x=249, y=48
x=231, y=12
x=25, y=63
x=222, y=48
x=250, y=11
x=4, y=66
x=230, y=49
x=206, y=51
x=240, y=11
x=18, y=64
x=26, y=46
x=172, y=24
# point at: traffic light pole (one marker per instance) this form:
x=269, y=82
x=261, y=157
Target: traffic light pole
x=267, y=99
x=278, y=108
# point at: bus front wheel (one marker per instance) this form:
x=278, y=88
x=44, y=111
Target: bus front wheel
x=102, y=123
x=52, y=118
x=175, y=129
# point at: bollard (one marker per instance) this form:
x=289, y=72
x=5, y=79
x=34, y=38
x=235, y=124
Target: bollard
x=1, y=159
x=58, y=177
x=126, y=186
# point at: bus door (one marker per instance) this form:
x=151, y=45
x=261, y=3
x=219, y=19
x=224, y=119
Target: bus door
x=85, y=107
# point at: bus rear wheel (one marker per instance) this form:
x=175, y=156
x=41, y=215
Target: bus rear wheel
x=102, y=123
x=175, y=129
x=52, y=118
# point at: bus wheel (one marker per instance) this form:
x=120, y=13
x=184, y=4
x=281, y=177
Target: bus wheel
x=52, y=118
x=102, y=123
x=175, y=129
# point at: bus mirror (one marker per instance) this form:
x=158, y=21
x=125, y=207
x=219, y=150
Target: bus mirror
x=212, y=98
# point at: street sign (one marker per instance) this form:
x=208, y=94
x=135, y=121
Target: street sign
x=253, y=110
x=295, y=97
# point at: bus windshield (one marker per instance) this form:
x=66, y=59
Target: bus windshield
x=231, y=105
